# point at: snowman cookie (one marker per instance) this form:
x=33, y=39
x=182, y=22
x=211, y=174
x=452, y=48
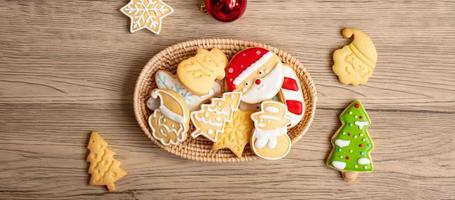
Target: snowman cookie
x=257, y=73
x=170, y=122
x=270, y=139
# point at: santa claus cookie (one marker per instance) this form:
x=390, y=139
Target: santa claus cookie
x=170, y=122
x=291, y=95
x=270, y=139
x=257, y=73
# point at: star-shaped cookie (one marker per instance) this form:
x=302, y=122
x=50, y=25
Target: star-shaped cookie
x=146, y=14
x=237, y=133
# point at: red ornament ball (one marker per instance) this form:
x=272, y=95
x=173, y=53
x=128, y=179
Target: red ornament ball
x=225, y=10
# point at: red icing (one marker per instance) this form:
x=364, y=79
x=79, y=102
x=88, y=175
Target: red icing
x=357, y=105
x=290, y=84
x=294, y=106
x=258, y=81
x=234, y=67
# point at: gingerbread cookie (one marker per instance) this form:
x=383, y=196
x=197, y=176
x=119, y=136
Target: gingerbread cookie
x=165, y=80
x=352, y=144
x=212, y=118
x=291, y=94
x=199, y=72
x=257, y=73
x=104, y=169
x=354, y=63
x=170, y=122
x=146, y=14
x=237, y=133
x=270, y=139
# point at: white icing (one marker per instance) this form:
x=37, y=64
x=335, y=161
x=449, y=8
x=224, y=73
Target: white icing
x=270, y=117
x=364, y=161
x=269, y=87
x=208, y=122
x=361, y=124
x=272, y=109
x=339, y=165
x=217, y=110
x=342, y=143
x=252, y=68
x=164, y=80
x=293, y=95
x=152, y=103
x=269, y=137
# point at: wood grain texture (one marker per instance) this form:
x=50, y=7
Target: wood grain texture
x=68, y=67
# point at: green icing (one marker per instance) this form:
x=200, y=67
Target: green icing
x=352, y=142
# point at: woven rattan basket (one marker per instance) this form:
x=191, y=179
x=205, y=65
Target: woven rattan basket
x=200, y=148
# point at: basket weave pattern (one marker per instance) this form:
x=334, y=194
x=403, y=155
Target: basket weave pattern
x=200, y=148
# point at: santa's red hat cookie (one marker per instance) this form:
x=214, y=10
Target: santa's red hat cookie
x=257, y=73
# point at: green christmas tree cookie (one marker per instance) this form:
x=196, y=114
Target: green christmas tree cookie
x=352, y=144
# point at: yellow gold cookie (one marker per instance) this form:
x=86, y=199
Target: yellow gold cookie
x=171, y=120
x=354, y=63
x=105, y=170
x=270, y=139
x=199, y=72
x=237, y=133
x=211, y=119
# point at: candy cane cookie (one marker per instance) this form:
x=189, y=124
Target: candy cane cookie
x=291, y=95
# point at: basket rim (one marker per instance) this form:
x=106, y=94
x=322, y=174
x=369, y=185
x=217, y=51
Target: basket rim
x=202, y=42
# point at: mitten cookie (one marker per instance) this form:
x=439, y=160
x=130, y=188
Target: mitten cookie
x=199, y=72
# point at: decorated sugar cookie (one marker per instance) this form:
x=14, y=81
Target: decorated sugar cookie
x=270, y=139
x=165, y=80
x=199, y=72
x=170, y=122
x=236, y=134
x=257, y=73
x=104, y=169
x=354, y=63
x=352, y=144
x=146, y=14
x=291, y=95
x=211, y=120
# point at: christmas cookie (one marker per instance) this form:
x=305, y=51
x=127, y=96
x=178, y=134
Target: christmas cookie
x=270, y=139
x=354, y=63
x=352, y=144
x=105, y=170
x=257, y=73
x=237, y=133
x=199, y=72
x=211, y=120
x=291, y=94
x=165, y=80
x=170, y=122
x=146, y=14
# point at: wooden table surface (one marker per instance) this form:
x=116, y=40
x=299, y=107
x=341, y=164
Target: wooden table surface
x=68, y=67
